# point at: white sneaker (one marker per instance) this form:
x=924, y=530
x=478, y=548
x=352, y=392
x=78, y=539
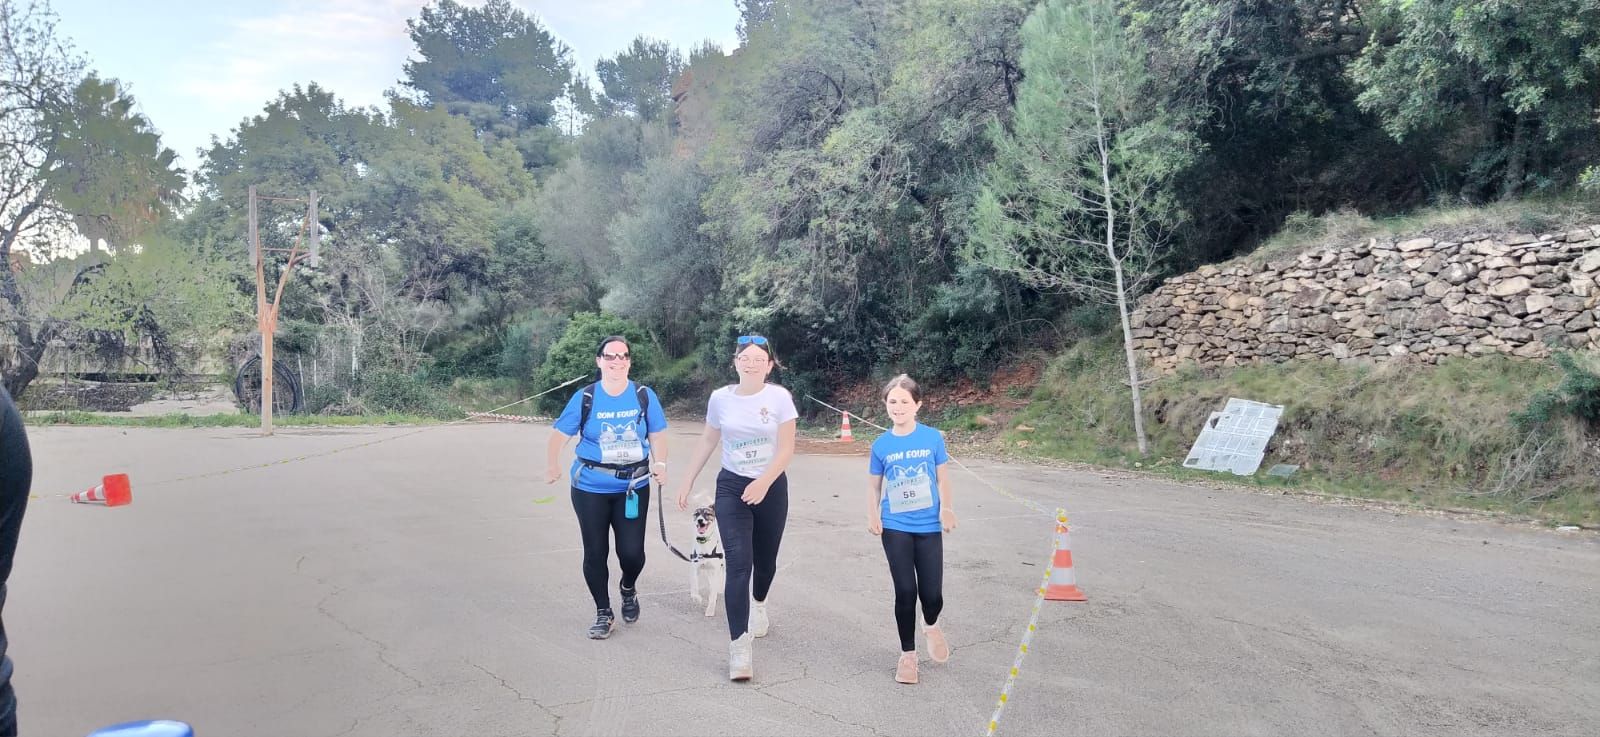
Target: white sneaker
x=758, y=619
x=740, y=658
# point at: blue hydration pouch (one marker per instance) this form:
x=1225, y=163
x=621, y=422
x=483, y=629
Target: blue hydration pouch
x=631, y=511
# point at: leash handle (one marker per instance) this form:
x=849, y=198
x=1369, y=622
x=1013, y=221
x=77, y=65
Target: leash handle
x=661, y=517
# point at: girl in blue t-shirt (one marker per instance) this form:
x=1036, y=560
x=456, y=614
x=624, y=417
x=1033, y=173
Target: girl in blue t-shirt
x=611, y=474
x=910, y=509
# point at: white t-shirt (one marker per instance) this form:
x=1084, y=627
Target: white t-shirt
x=749, y=426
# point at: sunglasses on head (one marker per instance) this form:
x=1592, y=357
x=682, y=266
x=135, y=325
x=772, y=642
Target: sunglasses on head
x=756, y=339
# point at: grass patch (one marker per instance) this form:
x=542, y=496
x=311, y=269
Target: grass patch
x=817, y=430
x=1302, y=232
x=482, y=395
x=233, y=420
x=971, y=418
x=1438, y=436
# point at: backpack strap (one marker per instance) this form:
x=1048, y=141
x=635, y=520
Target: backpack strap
x=644, y=409
x=588, y=407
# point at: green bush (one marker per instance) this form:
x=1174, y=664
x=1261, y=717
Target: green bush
x=386, y=390
x=525, y=345
x=677, y=381
x=1577, y=396
x=469, y=353
x=1093, y=319
x=471, y=394
x=971, y=321
x=296, y=336
x=326, y=399
x=1589, y=181
x=572, y=355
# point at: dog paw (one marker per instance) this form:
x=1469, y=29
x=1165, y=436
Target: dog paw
x=711, y=612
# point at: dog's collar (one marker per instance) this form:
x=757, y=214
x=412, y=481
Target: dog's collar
x=702, y=538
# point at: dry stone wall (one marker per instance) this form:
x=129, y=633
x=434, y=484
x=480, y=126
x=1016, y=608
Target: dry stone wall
x=1418, y=300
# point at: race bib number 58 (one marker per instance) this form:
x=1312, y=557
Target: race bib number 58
x=620, y=443
x=910, y=493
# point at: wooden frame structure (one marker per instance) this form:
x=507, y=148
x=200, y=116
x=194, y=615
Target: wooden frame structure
x=267, y=312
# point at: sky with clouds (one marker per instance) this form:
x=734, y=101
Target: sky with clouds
x=199, y=67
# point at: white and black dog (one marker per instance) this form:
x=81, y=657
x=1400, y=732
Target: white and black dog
x=705, y=559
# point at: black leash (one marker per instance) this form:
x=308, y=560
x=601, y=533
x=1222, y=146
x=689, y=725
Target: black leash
x=661, y=518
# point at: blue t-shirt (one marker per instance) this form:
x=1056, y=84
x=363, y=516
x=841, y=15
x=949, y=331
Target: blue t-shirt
x=909, y=466
x=614, y=435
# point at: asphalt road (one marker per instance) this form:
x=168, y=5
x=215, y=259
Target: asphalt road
x=429, y=584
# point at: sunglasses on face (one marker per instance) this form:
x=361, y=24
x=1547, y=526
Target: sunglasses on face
x=756, y=339
x=615, y=356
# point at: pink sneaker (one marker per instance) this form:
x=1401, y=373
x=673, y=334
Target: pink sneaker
x=906, y=670
x=938, y=647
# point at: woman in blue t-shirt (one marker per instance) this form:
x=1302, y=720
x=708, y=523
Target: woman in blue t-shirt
x=909, y=511
x=611, y=474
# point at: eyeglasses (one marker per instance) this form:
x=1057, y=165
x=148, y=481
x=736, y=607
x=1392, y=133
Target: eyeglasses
x=615, y=356
x=756, y=339
x=751, y=359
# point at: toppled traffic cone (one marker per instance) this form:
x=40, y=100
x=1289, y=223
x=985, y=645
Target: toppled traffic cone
x=113, y=491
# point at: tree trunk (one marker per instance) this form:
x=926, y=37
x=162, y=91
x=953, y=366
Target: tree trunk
x=30, y=351
x=1133, y=364
x=1516, y=159
x=1109, y=196
x=30, y=345
x=18, y=377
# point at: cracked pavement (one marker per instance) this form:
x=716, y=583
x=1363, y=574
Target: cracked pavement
x=419, y=587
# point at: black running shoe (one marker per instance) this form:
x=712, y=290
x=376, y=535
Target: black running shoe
x=604, y=622
x=630, y=605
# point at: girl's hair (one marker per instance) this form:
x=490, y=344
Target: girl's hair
x=759, y=341
x=608, y=340
x=903, y=382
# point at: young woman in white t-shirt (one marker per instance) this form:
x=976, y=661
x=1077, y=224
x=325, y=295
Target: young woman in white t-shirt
x=753, y=422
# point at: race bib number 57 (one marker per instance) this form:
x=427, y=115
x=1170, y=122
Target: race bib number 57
x=750, y=457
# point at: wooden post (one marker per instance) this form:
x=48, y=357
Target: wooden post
x=267, y=311
x=267, y=330
x=264, y=321
x=315, y=259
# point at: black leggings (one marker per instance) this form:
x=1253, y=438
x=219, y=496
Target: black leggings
x=750, y=538
x=916, y=563
x=596, y=514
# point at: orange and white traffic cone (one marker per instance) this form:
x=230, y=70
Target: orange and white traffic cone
x=113, y=491
x=1063, y=584
x=844, y=429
